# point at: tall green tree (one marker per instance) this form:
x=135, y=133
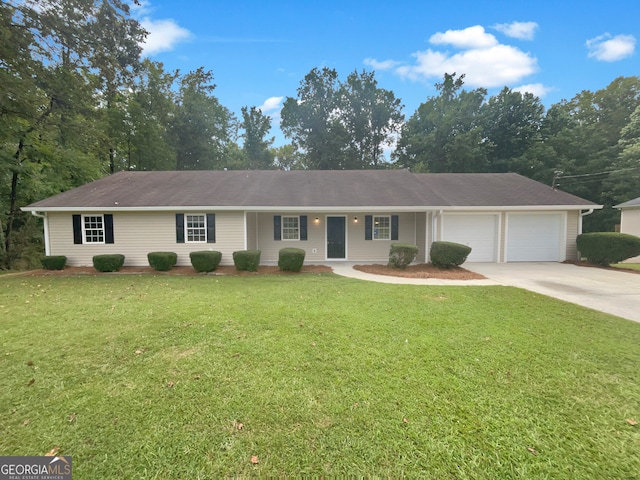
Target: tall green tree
x=511, y=123
x=257, y=144
x=371, y=116
x=201, y=126
x=145, y=143
x=445, y=133
x=311, y=122
x=63, y=61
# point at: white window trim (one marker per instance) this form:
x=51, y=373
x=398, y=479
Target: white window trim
x=282, y=228
x=85, y=241
x=186, y=227
x=373, y=227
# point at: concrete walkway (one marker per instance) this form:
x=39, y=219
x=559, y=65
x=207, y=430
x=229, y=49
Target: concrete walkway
x=609, y=291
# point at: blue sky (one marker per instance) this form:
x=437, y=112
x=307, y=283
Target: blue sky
x=259, y=51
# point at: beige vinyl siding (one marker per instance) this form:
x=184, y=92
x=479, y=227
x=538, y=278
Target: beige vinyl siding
x=138, y=233
x=270, y=247
x=361, y=250
x=573, y=221
x=630, y=224
x=421, y=236
x=358, y=249
x=252, y=230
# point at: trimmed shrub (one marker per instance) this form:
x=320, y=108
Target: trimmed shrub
x=205, y=261
x=108, y=263
x=54, y=262
x=291, y=259
x=449, y=254
x=247, y=260
x=605, y=248
x=402, y=254
x=162, y=261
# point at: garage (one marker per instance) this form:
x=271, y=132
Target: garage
x=535, y=237
x=480, y=232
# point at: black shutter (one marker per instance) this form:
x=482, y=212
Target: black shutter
x=303, y=227
x=368, y=227
x=77, y=229
x=277, y=227
x=211, y=228
x=179, y=227
x=108, y=228
x=394, y=227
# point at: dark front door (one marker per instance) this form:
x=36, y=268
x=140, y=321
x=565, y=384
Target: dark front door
x=336, y=237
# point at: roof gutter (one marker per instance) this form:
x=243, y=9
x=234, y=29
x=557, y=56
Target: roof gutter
x=45, y=221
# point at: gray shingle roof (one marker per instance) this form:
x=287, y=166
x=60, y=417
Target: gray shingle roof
x=631, y=203
x=307, y=188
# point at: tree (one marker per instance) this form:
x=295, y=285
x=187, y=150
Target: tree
x=371, y=117
x=148, y=110
x=62, y=62
x=287, y=157
x=511, y=123
x=256, y=147
x=311, y=122
x=201, y=127
x=445, y=134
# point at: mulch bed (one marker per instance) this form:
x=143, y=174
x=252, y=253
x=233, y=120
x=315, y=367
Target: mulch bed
x=604, y=267
x=422, y=270
x=413, y=271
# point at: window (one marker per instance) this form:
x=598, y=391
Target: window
x=196, y=228
x=381, y=228
x=290, y=228
x=93, y=229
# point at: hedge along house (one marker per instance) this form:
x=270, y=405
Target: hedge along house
x=630, y=221
x=333, y=215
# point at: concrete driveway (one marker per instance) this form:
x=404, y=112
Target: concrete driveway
x=608, y=291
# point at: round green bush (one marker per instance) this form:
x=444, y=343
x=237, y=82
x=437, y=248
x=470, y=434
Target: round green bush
x=291, y=259
x=402, y=254
x=605, y=248
x=108, y=263
x=205, y=261
x=449, y=254
x=247, y=260
x=162, y=261
x=54, y=262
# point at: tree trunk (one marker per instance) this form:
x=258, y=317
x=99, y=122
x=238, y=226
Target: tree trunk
x=13, y=197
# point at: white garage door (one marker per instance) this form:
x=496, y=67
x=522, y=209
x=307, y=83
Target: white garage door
x=535, y=237
x=480, y=232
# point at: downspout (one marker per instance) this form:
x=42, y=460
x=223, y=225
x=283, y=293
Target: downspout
x=45, y=219
x=583, y=214
x=434, y=229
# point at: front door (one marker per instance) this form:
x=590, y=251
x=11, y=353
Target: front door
x=336, y=237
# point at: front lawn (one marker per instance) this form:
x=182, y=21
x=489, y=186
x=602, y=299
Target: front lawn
x=629, y=266
x=190, y=377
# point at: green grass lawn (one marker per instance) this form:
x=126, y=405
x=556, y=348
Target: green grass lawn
x=631, y=266
x=189, y=377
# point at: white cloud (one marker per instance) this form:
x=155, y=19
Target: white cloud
x=163, y=35
x=483, y=60
x=611, y=49
x=519, y=30
x=271, y=104
x=471, y=37
x=496, y=66
x=384, y=65
x=537, y=89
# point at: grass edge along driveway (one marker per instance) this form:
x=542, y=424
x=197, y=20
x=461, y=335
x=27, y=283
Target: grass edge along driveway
x=203, y=377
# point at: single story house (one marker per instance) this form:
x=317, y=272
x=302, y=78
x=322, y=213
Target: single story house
x=333, y=215
x=630, y=221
